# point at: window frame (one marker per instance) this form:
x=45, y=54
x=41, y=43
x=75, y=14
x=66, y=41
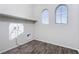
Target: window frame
x=56, y=11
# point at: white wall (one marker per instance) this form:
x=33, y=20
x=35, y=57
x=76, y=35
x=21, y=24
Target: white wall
x=60, y=34
x=5, y=43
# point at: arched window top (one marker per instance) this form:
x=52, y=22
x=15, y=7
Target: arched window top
x=45, y=10
x=45, y=16
x=62, y=6
x=61, y=14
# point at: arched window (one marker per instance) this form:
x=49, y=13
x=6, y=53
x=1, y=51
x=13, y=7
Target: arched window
x=61, y=14
x=45, y=16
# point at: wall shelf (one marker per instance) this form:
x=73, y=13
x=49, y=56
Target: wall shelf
x=16, y=17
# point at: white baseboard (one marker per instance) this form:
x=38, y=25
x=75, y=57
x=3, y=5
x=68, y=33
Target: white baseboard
x=60, y=45
x=7, y=49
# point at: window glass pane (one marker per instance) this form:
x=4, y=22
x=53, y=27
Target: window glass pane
x=61, y=14
x=45, y=17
